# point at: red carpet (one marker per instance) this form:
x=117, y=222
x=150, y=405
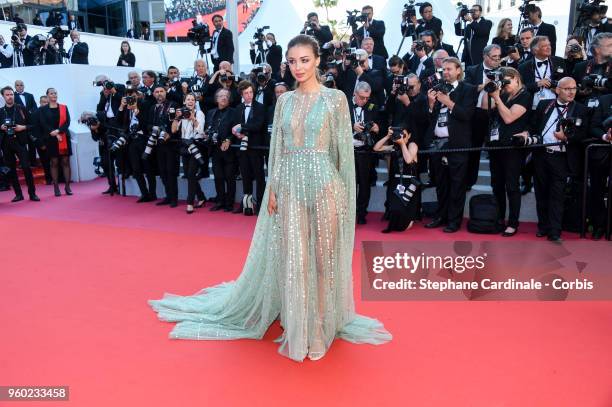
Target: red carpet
x=77, y=272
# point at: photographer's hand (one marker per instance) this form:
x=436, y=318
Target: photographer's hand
x=358, y=127
x=405, y=99
x=543, y=83
x=560, y=135
x=608, y=136
x=225, y=145
x=375, y=128
x=3, y=127
x=20, y=127
x=431, y=98
x=235, y=130
x=445, y=100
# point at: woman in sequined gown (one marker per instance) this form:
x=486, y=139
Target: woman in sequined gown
x=299, y=266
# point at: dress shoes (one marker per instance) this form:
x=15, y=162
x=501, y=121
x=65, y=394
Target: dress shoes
x=597, y=234
x=554, y=238
x=436, y=223
x=237, y=210
x=173, y=204
x=216, y=207
x=361, y=220
x=541, y=233
x=34, y=197
x=164, y=201
x=451, y=229
x=17, y=198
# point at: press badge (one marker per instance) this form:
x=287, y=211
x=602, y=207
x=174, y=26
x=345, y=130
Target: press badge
x=494, y=133
x=443, y=119
x=593, y=103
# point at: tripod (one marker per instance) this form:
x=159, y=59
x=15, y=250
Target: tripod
x=203, y=53
x=405, y=34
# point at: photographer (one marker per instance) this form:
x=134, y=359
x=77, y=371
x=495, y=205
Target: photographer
x=224, y=78
x=79, y=51
x=51, y=54
x=356, y=69
x=477, y=75
x=248, y=127
x=13, y=141
x=541, y=28
x=284, y=75
x=219, y=134
x=110, y=98
x=509, y=103
x=222, y=43
x=26, y=100
x=451, y=107
x=269, y=52
x=599, y=165
x=374, y=29
x=396, y=68
x=412, y=27
x=199, y=85
x=365, y=122
x=574, y=54
x=148, y=86
x=190, y=123
x=321, y=32
x=403, y=170
x=22, y=56
x=476, y=33
x=522, y=51
x=590, y=74
x=409, y=108
x=554, y=165
x=541, y=73
x=99, y=134
x=421, y=63
x=261, y=78
x=374, y=61
x=594, y=26
x=6, y=54
x=167, y=148
x=177, y=88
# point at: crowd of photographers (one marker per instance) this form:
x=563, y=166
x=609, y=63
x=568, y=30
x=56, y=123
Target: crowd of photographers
x=508, y=94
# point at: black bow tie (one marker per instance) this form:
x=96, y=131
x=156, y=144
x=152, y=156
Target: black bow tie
x=488, y=70
x=247, y=105
x=561, y=105
x=542, y=63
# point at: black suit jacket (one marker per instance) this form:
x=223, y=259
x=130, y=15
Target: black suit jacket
x=80, y=54
x=459, y=120
x=323, y=35
x=377, y=32
x=370, y=114
x=30, y=104
x=225, y=46
x=223, y=122
x=255, y=122
x=597, y=129
x=378, y=63
x=584, y=68
x=476, y=36
x=527, y=71
x=413, y=65
x=448, y=48
x=575, y=148
x=115, y=102
x=435, y=25
x=347, y=79
x=549, y=31
x=20, y=116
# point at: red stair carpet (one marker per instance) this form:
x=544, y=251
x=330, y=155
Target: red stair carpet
x=77, y=271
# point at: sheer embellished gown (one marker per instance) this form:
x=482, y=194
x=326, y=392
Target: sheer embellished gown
x=298, y=267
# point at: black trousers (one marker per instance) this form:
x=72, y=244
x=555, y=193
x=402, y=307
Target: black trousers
x=224, y=170
x=505, y=180
x=13, y=149
x=450, y=181
x=363, y=172
x=191, y=168
x=168, y=163
x=599, y=173
x=551, y=172
x=480, y=127
x=141, y=167
x=251, y=164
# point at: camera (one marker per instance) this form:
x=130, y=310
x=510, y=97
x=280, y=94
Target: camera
x=588, y=8
x=569, y=125
x=10, y=126
x=329, y=80
x=107, y=84
x=526, y=8
x=443, y=86
x=15, y=38
x=595, y=81
x=244, y=141
x=396, y=133
x=410, y=9
x=401, y=82
x=343, y=51
x=365, y=136
x=199, y=33
x=91, y=121
x=575, y=49
x=193, y=150
x=185, y=112
x=497, y=81
x=259, y=35
x=511, y=49
x=420, y=46
x=354, y=17
x=59, y=34
x=226, y=78
x=211, y=135
x=156, y=134
x=36, y=42
x=353, y=58
x=130, y=100
x=463, y=10
x=260, y=75
x=435, y=79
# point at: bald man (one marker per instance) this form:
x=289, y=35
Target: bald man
x=554, y=164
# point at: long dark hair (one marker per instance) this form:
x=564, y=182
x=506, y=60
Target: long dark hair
x=129, y=48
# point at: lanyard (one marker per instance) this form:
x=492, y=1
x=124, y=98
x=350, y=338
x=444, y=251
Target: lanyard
x=537, y=71
x=560, y=114
x=358, y=118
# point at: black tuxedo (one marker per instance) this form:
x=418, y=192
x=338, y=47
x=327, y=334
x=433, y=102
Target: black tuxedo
x=273, y=56
x=115, y=102
x=549, y=31
x=16, y=146
x=448, y=48
x=435, y=25
x=599, y=162
x=364, y=162
x=80, y=53
x=251, y=160
x=348, y=78
x=527, y=71
x=552, y=169
x=451, y=178
x=376, y=30
x=224, y=162
x=378, y=63
x=168, y=162
x=225, y=48
x=413, y=65
x=415, y=116
x=30, y=102
x=585, y=68
x=322, y=36
x=476, y=35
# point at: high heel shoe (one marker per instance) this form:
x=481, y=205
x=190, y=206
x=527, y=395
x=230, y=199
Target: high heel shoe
x=56, y=190
x=201, y=203
x=68, y=190
x=189, y=209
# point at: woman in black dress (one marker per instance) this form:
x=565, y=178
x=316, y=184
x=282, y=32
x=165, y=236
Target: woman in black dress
x=504, y=37
x=510, y=109
x=126, y=58
x=54, y=123
x=403, y=169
